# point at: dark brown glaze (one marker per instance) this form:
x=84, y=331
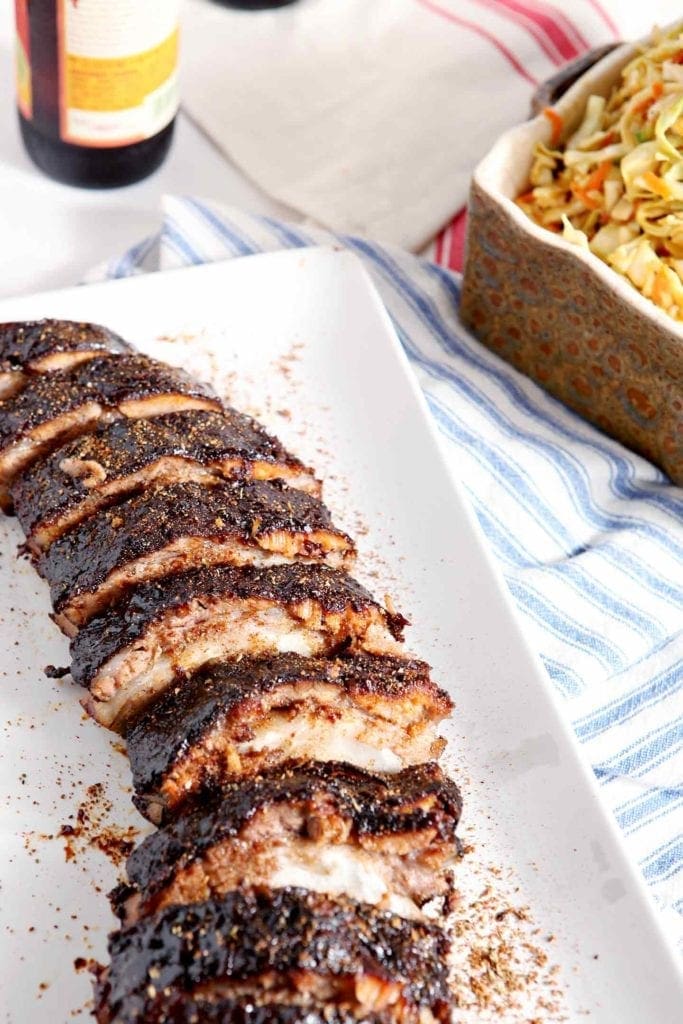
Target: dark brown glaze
x=248, y=512
x=182, y=717
x=183, y=1008
x=372, y=805
x=109, y=381
x=126, y=621
x=228, y=442
x=28, y=345
x=249, y=933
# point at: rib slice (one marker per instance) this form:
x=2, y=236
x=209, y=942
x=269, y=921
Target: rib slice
x=56, y=406
x=134, y=649
x=42, y=346
x=168, y=529
x=385, y=839
x=293, y=945
x=119, y=458
x=247, y=716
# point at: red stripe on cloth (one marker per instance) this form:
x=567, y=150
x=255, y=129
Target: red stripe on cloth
x=600, y=10
x=521, y=16
x=430, y=5
x=550, y=21
x=450, y=244
x=456, y=256
x=571, y=30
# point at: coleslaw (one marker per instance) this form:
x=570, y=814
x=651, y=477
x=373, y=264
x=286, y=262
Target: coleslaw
x=615, y=185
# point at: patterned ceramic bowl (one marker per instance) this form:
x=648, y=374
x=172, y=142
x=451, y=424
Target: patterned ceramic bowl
x=560, y=314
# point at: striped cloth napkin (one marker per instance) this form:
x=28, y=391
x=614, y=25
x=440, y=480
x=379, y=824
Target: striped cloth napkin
x=589, y=535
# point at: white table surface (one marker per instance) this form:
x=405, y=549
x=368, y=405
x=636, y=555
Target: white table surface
x=53, y=234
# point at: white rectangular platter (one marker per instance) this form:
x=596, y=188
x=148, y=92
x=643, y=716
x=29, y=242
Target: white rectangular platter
x=302, y=340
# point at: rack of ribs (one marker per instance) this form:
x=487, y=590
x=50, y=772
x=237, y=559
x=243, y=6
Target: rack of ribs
x=127, y=456
x=250, y=715
x=278, y=733
x=287, y=946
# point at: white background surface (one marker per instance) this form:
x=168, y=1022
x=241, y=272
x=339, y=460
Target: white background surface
x=529, y=800
x=53, y=234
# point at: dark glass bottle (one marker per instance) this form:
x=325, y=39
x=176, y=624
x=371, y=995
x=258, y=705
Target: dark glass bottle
x=97, y=87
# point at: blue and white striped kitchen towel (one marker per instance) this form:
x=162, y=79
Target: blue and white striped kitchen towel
x=590, y=536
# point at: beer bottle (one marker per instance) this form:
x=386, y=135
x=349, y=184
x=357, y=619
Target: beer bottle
x=97, y=87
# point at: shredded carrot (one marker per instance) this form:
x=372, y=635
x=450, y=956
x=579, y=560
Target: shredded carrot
x=656, y=185
x=557, y=124
x=655, y=93
x=598, y=176
x=593, y=184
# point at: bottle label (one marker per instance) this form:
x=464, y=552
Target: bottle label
x=23, y=59
x=118, y=69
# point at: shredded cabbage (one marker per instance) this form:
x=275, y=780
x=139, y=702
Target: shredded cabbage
x=573, y=234
x=616, y=184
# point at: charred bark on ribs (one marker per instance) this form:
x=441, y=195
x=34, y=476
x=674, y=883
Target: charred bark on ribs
x=169, y=529
x=57, y=406
x=127, y=456
x=133, y=650
x=387, y=839
x=33, y=347
x=292, y=942
x=251, y=1007
x=244, y=716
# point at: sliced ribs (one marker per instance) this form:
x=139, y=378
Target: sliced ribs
x=246, y=716
x=169, y=529
x=56, y=406
x=42, y=346
x=134, y=649
x=385, y=839
x=285, y=946
x=119, y=458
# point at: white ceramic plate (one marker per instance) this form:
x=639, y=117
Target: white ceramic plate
x=302, y=339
